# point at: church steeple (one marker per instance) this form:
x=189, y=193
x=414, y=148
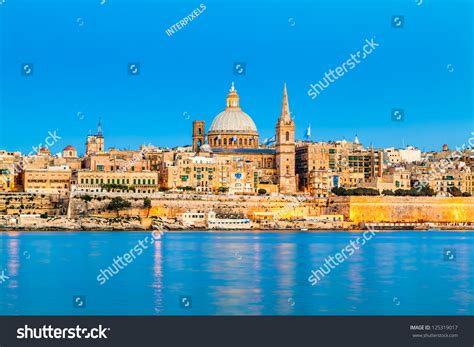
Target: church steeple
x=99, y=129
x=233, y=99
x=285, y=149
x=285, y=107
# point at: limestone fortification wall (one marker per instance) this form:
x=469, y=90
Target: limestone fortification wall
x=171, y=207
x=355, y=208
x=26, y=203
x=403, y=209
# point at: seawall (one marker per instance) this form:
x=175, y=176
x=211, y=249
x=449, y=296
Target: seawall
x=403, y=209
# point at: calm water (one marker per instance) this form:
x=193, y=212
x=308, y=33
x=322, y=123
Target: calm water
x=395, y=273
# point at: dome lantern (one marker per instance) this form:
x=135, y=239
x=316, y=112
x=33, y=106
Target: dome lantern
x=233, y=99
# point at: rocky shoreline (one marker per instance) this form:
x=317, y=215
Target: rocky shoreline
x=266, y=213
x=136, y=223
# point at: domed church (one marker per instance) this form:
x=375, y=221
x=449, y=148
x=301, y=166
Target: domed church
x=234, y=134
x=233, y=128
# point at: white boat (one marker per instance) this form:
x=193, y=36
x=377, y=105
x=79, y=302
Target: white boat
x=193, y=219
x=227, y=223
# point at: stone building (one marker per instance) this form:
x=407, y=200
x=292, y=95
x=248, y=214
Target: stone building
x=346, y=163
x=442, y=180
x=99, y=181
x=117, y=160
x=8, y=173
x=392, y=179
x=7, y=177
x=366, y=161
x=52, y=180
x=69, y=152
x=208, y=174
x=192, y=172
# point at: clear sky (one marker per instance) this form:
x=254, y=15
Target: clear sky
x=80, y=51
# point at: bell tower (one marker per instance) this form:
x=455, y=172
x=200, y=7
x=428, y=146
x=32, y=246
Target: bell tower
x=198, y=135
x=285, y=148
x=95, y=143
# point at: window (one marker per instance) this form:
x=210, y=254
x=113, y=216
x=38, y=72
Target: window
x=287, y=136
x=240, y=142
x=199, y=131
x=225, y=141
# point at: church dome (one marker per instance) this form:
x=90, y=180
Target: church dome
x=233, y=119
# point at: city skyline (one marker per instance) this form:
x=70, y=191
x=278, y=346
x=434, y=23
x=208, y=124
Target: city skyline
x=80, y=71
x=58, y=145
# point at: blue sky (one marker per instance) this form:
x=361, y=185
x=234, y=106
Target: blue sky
x=81, y=50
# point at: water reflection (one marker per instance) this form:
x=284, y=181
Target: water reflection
x=158, y=277
x=13, y=266
x=238, y=273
